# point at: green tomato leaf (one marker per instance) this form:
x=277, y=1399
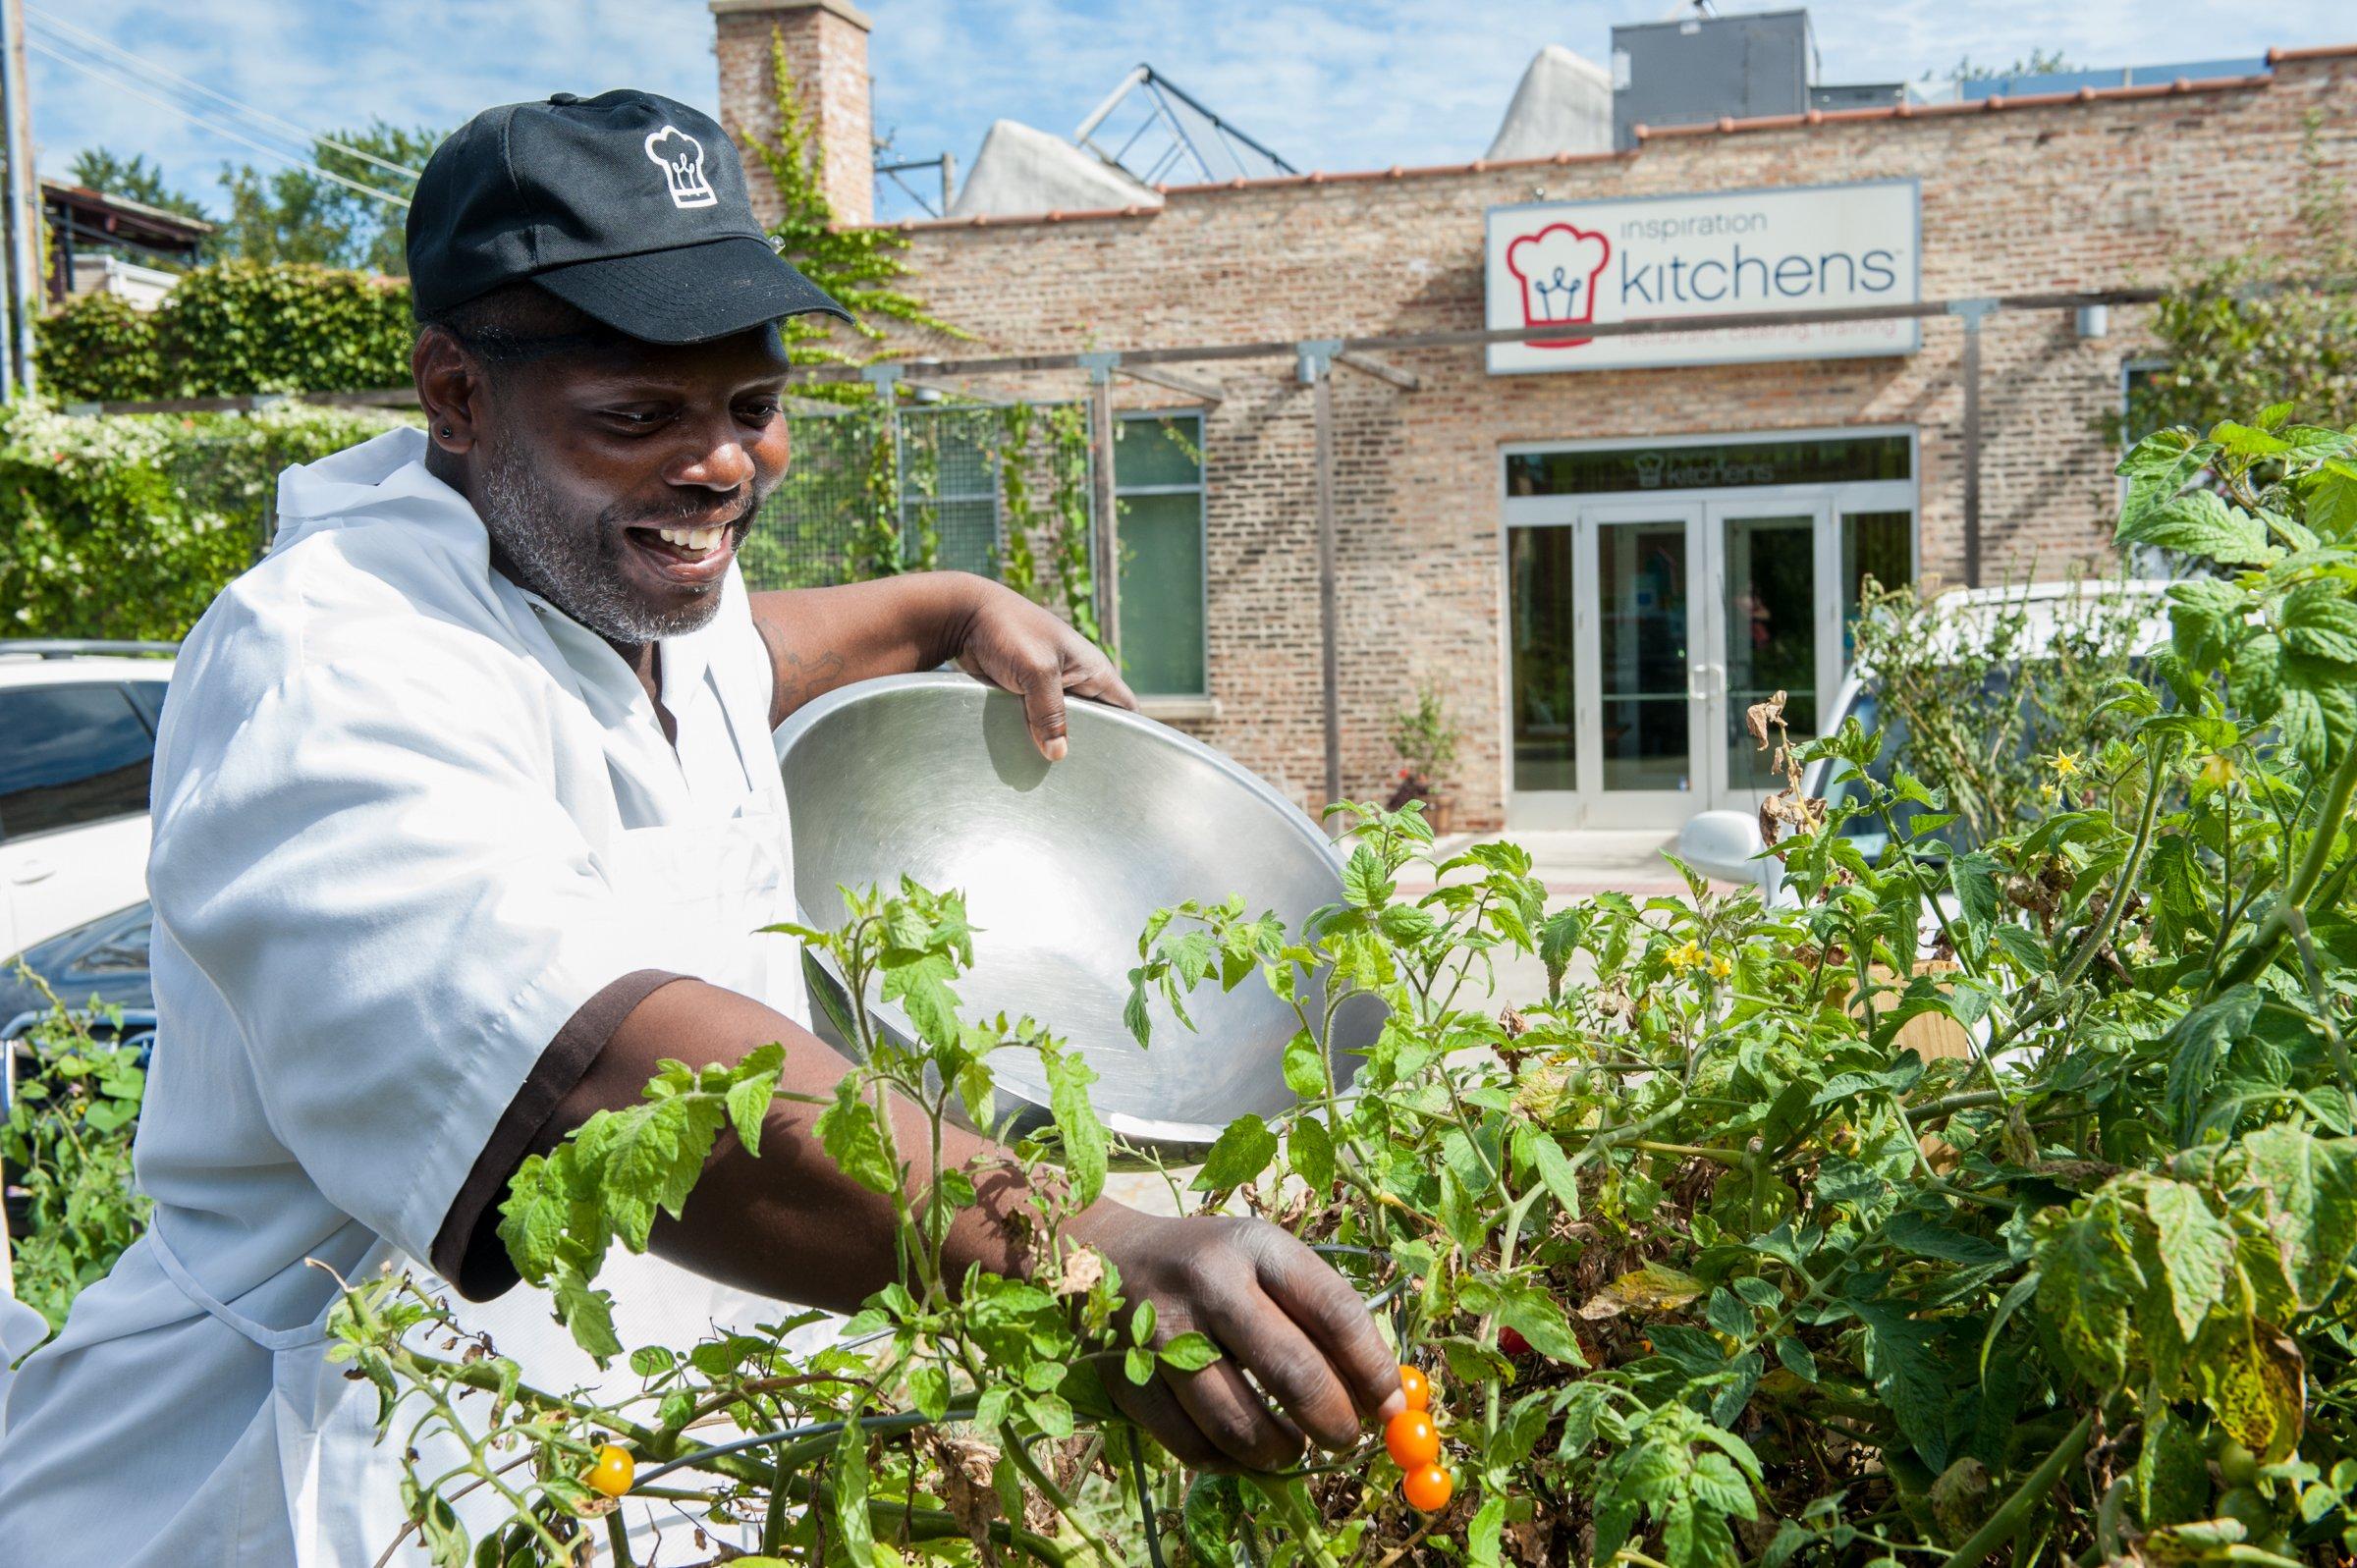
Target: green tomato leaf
x=929, y=1390
x=1483, y=1537
x=2201, y=524
x=1974, y=877
x=1304, y=1066
x=1085, y=1143
x=1135, y=1015
x=586, y=1313
x=1214, y=1510
x=750, y=1096
x=1363, y=881
x=1191, y=1352
x=849, y=1132
x=1537, y=1317
x=1240, y=1155
x=1796, y=1359
x=2196, y=1250
x=1311, y=1149
x=2321, y=622
x=848, y=1473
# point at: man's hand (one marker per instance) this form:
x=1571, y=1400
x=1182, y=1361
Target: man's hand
x=1279, y=1313
x=1012, y=643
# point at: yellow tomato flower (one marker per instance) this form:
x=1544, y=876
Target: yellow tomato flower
x=1720, y=967
x=2219, y=771
x=1686, y=956
x=2065, y=764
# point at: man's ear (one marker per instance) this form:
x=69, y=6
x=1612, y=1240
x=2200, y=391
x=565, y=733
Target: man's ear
x=450, y=389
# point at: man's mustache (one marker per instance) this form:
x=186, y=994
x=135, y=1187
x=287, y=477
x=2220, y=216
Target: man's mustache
x=742, y=506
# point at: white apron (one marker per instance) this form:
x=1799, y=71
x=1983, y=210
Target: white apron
x=705, y=890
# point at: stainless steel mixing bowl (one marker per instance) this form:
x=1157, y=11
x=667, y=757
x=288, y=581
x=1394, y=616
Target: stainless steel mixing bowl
x=935, y=777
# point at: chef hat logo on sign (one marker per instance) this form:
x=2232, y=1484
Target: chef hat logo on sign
x=1558, y=268
x=681, y=157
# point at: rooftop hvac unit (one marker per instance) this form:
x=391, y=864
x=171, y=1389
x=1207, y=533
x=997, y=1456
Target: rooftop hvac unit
x=1700, y=69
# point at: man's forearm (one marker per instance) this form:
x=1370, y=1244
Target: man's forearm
x=789, y=1222
x=822, y=638
x=792, y=1225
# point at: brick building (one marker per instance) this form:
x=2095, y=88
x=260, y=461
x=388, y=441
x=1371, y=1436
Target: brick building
x=1596, y=565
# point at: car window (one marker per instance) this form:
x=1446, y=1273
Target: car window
x=74, y=754
x=148, y=697
x=1869, y=832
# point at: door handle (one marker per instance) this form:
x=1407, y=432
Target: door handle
x=31, y=870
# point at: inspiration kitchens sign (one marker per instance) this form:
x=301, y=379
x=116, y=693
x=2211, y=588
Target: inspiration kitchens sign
x=1732, y=252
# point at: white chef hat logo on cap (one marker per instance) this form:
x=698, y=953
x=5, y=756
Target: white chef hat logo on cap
x=681, y=157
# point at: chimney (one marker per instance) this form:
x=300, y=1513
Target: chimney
x=826, y=49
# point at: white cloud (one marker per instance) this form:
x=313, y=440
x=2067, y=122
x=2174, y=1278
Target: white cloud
x=1334, y=87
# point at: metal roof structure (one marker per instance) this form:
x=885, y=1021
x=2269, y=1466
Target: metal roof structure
x=1170, y=134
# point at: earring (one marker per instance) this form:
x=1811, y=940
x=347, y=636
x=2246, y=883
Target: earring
x=446, y=432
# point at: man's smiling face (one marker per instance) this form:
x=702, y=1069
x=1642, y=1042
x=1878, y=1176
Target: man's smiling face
x=617, y=478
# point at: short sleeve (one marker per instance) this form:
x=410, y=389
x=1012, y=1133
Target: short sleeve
x=368, y=861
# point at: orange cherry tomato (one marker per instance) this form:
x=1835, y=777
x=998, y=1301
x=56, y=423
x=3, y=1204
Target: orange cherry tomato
x=1428, y=1489
x=1412, y=1438
x=1417, y=1387
x=613, y=1472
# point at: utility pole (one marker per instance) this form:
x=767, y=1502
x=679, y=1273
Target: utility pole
x=24, y=203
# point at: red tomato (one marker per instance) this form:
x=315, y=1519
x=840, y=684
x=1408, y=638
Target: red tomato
x=1428, y=1489
x=1417, y=1387
x=1413, y=1440
x=1512, y=1343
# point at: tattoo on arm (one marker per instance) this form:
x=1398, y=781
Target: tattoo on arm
x=799, y=679
x=795, y=679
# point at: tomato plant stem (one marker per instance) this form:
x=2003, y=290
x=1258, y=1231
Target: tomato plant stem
x=2016, y=1509
x=1039, y=1478
x=2262, y=948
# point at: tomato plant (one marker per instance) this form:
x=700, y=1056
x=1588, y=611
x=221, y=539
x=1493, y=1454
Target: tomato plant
x=64, y=1144
x=1783, y=1291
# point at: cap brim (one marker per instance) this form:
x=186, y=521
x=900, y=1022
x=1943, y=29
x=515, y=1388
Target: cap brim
x=692, y=294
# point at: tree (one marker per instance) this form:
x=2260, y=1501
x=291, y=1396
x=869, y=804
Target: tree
x=2261, y=328
x=2041, y=62
x=860, y=268
x=297, y=215
x=134, y=179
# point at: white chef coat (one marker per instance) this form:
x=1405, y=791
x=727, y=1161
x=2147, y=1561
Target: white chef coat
x=409, y=818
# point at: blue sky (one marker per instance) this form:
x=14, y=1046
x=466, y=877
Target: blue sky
x=1334, y=87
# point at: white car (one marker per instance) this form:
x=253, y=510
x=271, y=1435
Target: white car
x=77, y=739
x=1727, y=844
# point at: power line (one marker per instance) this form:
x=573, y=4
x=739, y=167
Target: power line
x=150, y=67
x=111, y=79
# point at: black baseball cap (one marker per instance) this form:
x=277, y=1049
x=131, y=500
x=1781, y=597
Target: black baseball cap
x=630, y=206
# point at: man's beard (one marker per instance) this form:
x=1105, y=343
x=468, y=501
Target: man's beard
x=575, y=562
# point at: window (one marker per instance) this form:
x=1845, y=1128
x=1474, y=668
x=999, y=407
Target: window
x=1158, y=486
x=950, y=483
x=2136, y=378
x=1873, y=544
x=1711, y=465
x=76, y=754
x=148, y=697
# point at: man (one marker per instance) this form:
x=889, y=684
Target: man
x=466, y=816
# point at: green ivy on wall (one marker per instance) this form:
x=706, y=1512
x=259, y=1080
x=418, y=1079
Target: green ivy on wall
x=227, y=330
x=128, y=526
x=862, y=499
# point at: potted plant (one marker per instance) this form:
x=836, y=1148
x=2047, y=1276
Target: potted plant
x=1426, y=742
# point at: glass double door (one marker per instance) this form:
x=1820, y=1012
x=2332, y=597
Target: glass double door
x=1642, y=632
